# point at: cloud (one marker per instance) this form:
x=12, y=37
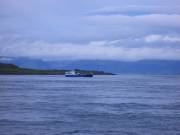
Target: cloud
x=142, y=20
x=101, y=50
x=66, y=29
x=134, y=26
x=136, y=10
x=159, y=38
x=5, y=59
x=87, y=20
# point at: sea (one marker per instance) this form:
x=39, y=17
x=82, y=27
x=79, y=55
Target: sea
x=102, y=105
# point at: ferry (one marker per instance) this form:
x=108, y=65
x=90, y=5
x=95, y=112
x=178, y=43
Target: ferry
x=74, y=74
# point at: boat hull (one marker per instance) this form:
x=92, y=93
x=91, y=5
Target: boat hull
x=86, y=75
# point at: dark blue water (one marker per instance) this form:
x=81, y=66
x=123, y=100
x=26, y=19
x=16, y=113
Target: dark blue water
x=103, y=105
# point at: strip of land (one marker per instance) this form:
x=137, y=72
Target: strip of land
x=11, y=69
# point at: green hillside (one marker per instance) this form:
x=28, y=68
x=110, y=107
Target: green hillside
x=10, y=69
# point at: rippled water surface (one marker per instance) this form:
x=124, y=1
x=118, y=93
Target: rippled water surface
x=103, y=105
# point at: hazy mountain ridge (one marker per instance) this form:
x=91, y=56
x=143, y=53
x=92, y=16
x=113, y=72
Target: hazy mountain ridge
x=121, y=67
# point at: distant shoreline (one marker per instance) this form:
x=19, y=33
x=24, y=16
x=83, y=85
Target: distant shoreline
x=11, y=69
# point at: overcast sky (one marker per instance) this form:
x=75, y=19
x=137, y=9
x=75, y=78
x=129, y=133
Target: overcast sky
x=90, y=29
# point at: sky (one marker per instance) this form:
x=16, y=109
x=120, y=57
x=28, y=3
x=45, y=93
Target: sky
x=125, y=30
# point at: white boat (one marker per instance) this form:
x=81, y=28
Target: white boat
x=73, y=73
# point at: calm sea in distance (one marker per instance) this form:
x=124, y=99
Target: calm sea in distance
x=102, y=105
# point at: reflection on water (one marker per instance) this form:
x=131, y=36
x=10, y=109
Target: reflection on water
x=103, y=105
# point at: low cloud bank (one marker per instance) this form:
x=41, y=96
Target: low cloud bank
x=156, y=38
x=101, y=50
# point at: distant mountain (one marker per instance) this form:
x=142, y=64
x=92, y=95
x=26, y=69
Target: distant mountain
x=120, y=67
